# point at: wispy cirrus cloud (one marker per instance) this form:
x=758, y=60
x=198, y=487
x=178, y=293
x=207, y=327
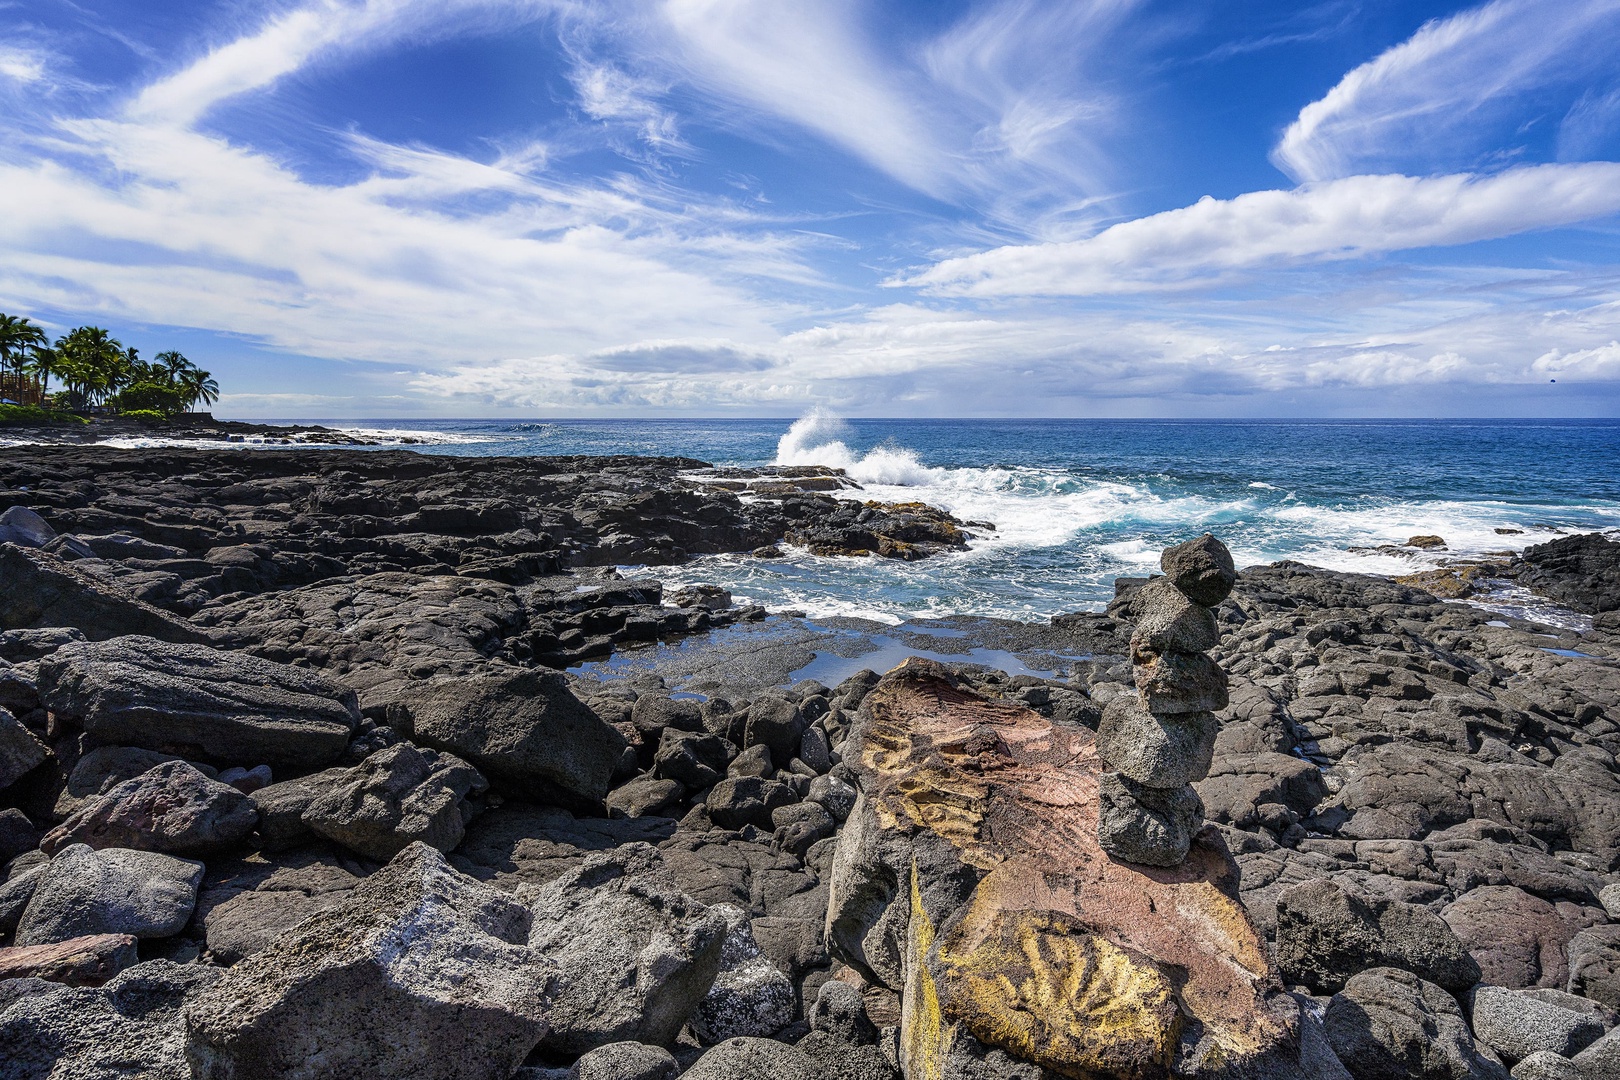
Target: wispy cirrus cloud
x=1337, y=219
x=1436, y=98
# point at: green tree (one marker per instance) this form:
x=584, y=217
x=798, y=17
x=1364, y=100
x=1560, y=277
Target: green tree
x=174, y=364
x=19, y=338
x=196, y=385
x=92, y=364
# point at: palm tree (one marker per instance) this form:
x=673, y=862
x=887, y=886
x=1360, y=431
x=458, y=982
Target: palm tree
x=19, y=338
x=196, y=385
x=92, y=363
x=173, y=364
x=43, y=364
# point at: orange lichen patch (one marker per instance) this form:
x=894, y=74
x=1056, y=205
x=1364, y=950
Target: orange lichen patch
x=1016, y=796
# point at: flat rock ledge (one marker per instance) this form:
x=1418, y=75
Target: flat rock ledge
x=970, y=880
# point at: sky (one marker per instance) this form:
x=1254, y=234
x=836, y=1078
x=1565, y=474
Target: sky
x=551, y=208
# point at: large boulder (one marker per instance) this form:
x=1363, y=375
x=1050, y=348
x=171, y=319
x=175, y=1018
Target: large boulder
x=115, y=891
x=422, y=972
x=1326, y=934
x=25, y=528
x=130, y=1027
x=745, y=1058
x=1516, y=1023
x=394, y=798
x=193, y=700
x=39, y=590
x=1388, y=1024
x=970, y=880
x=750, y=995
x=1594, y=964
x=1518, y=939
x=636, y=953
x=251, y=911
x=171, y=808
x=525, y=729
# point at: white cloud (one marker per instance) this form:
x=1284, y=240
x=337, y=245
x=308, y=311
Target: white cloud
x=810, y=63
x=1431, y=97
x=297, y=37
x=21, y=64
x=1337, y=219
x=1601, y=363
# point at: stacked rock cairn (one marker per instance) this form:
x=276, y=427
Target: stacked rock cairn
x=1158, y=742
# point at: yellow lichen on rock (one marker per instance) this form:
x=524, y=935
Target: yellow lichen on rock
x=923, y=1035
x=1041, y=985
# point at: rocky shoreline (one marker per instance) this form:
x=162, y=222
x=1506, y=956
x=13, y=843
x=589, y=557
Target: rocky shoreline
x=327, y=763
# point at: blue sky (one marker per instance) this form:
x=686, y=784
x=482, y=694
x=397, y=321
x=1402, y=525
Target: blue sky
x=366, y=208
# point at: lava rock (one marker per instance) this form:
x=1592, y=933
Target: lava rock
x=130, y=1027
x=1163, y=752
x=1179, y=683
x=421, y=972
x=626, y=1061
x=38, y=590
x=1168, y=621
x=281, y=807
x=80, y=961
x=1388, y=1024
x=775, y=722
x=1601, y=1060
x=115, y=891
x=636, y=953
x=836, y=796
x=191, y=699
x=1202, y=568
x=1517, y=1025
x=747, y=800
x=750, y=996
x=745, y=1058
x=171, y=808
x=645, y=796
x=526, y=730
x=1146, y=825
x=840, y=1011
x=1545, y=1065
x=1594, y=964
x=1327, y=934
x=394, y=798
x=20, y=751
x=697, y=760
x=21, y=526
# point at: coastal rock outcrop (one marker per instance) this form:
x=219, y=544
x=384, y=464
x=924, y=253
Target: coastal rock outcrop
x=970, y=880
x=1157, y=746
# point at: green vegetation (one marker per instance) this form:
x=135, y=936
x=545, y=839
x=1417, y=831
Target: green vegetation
x=33, y=414
x=146, y=416
x=96, y=372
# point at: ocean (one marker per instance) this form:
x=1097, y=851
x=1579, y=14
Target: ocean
x=1077, y=503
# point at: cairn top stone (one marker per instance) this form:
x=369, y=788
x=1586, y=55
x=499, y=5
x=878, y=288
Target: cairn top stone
x=1201, y=568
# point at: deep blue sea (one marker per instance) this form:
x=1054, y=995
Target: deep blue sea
x=1079, y=502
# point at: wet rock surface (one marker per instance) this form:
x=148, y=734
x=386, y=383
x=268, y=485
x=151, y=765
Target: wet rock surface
x=364, y=745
